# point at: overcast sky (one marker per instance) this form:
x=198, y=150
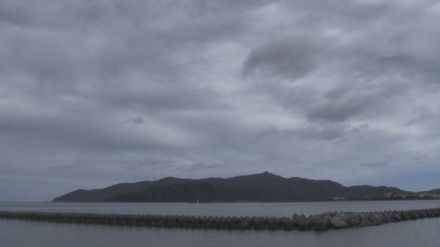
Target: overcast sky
x=96, y=92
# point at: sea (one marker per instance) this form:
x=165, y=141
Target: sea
x=16, y=233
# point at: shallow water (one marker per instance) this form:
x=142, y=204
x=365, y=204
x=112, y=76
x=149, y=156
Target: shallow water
x=225, y=209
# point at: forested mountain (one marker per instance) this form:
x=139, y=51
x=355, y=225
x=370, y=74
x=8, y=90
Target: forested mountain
x=263, y=187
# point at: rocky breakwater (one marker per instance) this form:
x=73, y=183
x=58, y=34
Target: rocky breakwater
x=339, y=220
x=319, y=222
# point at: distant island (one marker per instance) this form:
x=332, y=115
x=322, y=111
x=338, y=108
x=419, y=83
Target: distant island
x=262, y=187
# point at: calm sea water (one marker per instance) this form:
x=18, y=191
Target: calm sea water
x=38, y=234
x=225, y=209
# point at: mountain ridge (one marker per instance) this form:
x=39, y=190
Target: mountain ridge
x=261, y=187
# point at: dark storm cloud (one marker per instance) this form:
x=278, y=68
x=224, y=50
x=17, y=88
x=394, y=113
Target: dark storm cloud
x=98, y=92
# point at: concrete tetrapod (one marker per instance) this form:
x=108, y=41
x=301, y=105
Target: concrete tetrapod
x=318, y=222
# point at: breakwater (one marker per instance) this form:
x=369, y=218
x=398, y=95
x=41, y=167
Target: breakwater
x=318, y=222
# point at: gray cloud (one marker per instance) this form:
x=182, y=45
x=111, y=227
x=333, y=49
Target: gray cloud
x=289, y=58
x=340, y=104
x=376, y=163
x=98, y=92
x=316, y=131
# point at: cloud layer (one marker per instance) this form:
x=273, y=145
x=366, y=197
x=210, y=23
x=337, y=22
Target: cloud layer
x=98, y=92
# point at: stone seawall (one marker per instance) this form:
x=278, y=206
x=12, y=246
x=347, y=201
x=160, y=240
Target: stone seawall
x=318, y=222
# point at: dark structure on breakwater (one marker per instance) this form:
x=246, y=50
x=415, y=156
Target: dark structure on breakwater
x=319, y=222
